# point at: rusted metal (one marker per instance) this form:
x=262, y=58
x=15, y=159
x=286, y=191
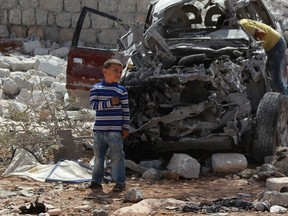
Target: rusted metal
x=190, y=86
x=10, y=44
x=84, y=68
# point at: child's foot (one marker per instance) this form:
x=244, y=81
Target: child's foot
x=119, y=187
x=95, y=185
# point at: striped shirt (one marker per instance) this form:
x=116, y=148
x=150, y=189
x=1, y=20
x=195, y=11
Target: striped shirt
x=109, y=118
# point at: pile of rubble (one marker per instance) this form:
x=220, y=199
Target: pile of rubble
x=33, y=78
x=33, y=75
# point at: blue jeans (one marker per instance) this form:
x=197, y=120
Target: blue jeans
x=114, y=141
x=276, y=64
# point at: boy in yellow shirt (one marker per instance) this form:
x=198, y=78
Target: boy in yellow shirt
x=275, y=47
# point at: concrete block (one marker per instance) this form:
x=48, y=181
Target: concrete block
x=277, y=184
x=184, y=165
x=228, y=162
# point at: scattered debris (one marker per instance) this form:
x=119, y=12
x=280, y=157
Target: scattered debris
x=7, y=45
x=218, y=205
x=34, y=208
x=169, y=174
x=134, y=195
x=268, y=170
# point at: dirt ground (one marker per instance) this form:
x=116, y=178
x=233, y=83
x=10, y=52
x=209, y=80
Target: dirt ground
x=78, y=199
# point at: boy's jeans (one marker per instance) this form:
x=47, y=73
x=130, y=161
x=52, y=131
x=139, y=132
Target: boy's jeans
x=103, y=141
x=276, y=64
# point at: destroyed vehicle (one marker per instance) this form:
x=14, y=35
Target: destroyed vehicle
x=194, y=82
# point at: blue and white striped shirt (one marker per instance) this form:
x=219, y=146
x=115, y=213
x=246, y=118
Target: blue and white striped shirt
x=109, y=118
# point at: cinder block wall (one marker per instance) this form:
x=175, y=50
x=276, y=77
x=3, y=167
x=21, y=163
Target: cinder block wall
x=55, y=20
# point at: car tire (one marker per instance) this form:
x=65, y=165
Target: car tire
x=271, y=125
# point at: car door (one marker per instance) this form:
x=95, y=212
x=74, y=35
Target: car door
x=84, y=65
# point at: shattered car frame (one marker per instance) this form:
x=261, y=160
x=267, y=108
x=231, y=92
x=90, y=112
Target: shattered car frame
x=194, y=83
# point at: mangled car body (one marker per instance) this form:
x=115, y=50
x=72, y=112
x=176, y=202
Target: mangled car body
x=194, y=81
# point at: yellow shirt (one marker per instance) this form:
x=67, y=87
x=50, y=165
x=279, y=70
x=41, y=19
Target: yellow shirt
x=271, y=37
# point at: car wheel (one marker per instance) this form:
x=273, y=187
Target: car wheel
x=271, y=125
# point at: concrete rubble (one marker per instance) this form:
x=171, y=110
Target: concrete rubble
x=184, y=165
x=35, y=63
x=22, y=76
x=232, y=162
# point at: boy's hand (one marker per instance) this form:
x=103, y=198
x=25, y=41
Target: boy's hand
x=115, y=101
x=125, y=133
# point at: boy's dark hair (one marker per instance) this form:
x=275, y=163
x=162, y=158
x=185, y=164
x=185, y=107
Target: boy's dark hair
x=109, y=62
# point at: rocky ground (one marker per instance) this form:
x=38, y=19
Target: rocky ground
x=22, y=81
x=76, y=199
x=159, y=197
x=27, y=119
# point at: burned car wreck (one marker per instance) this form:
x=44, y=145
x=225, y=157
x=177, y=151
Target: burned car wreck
x=196, y=82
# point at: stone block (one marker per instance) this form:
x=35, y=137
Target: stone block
x=69, y=148
x=88, y=36
x=156, y=164
x=60, y=53
x=51, y=19
x=41, y=51
x=65, y=35
x=275, y=198
x=128, y=18
x=4, y=72
x=23, y=65
x=41, y=17
x=28, y=17
x=108, y=6
x=228, y=162
x=23, y=83
x=63, y=20
x=51, y=5
x=52, y=33
x=15, y=16
x=25, y=4
x=152, y=175
x=4, y=33
x=184, y=165
x=7, y=61
x=50, y=65
x=10, y=87
x=54, y=212
x=4, y=17
x=90, y=3
x=277, y=184
x=134, y=195
x=100, y=23
x=108, y=36
x=18, y=31
x=36, y=31
x=59, y=88
x=142, y=6
x=72, y=6
x=127, y=6
x=29, y=47
x=8, y=4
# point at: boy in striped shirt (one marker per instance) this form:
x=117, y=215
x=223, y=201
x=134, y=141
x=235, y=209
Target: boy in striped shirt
x=110, y=100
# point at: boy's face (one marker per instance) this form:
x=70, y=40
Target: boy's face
x=113, y=73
